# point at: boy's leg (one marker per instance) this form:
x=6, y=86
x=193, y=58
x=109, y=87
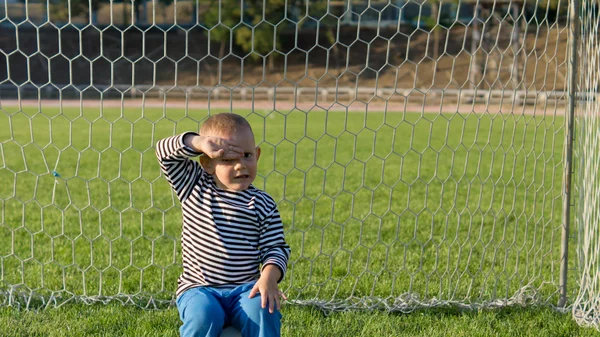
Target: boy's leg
x=200, y=312
x=249, y=317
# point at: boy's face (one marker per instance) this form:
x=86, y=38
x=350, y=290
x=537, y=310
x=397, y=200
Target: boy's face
x=234, y=174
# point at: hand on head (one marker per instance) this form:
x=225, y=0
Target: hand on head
x=215, y=147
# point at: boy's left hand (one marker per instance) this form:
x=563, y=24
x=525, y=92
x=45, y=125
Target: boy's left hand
x=267, y=286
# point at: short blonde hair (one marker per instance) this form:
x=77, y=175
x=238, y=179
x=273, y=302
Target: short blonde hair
x=225, y=122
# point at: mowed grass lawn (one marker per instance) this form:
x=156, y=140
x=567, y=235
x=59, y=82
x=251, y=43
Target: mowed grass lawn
x=117, y=320
x=381, y=211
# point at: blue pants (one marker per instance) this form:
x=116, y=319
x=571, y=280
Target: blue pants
x=205, y=310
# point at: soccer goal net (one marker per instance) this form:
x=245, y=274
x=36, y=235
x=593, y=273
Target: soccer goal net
x=420, y=151
x=586, y=308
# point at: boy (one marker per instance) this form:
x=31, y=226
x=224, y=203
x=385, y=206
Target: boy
x=230, y=229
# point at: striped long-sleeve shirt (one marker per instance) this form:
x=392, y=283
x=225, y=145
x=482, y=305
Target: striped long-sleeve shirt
x=226, y=235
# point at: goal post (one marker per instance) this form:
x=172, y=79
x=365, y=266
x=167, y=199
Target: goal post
x=586, y=309
x=420, y=151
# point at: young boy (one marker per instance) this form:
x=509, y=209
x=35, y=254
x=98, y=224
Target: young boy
x=232, y=240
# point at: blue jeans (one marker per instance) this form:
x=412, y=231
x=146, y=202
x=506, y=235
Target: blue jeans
x=204, y=311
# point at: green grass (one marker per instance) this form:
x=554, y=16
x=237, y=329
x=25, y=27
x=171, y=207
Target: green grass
x=445, y=207
x=115, y=320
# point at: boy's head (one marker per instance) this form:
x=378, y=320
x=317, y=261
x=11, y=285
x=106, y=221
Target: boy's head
x=231, y=174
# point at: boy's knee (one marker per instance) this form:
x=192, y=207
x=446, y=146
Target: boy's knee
x=203, y=319
x=202, y=324
x=261, y=322
x=258, y=315
x=201, y=314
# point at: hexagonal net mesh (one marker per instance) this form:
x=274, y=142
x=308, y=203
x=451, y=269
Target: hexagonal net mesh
x=415, y=148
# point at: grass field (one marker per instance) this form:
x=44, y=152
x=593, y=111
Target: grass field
x=447, y=208
x=116, y=320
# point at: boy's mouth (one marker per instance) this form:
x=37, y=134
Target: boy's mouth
x=242, y=176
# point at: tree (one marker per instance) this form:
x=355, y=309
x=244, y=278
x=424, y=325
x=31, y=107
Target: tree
x=220, y=17
x=59, y=10
x=250, y=23
x=438, y=19
x=552, y=10
x=258, y=36
x=164, y=5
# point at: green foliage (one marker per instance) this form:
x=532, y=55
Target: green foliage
x=250, y=24
x=256, y=41
x=59, y=10
x=552, y=4
x=220, y=18
x=551, y=9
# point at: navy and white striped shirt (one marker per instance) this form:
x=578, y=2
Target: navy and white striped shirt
x=226, y=235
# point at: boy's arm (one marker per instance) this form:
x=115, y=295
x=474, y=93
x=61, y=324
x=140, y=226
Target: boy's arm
x=275, y=253
x=274, y=250
x=174, y=156
x=213, y=147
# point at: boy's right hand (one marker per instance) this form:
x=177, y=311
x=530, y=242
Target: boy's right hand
x=216, y=147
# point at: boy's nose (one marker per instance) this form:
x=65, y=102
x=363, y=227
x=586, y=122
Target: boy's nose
x=239, y=166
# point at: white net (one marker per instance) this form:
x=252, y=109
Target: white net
x=415, y=148
x=586, y=308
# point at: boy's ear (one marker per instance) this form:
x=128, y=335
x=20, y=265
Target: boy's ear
x=257, y=152
x=207, y=164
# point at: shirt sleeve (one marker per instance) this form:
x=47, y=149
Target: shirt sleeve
x=273, y=248
x=175, y=161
